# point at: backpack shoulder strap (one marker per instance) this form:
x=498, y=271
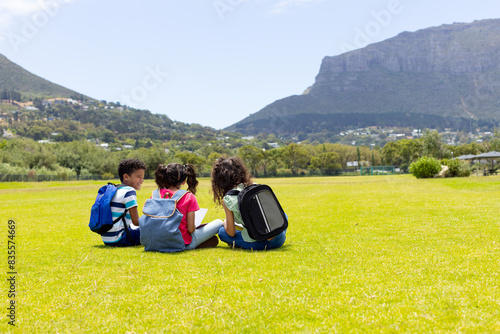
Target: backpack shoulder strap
x=179, y=194
x=233, y=192
x=156, y=193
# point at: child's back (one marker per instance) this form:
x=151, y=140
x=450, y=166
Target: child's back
x=124, y=199
x=126, y=232
x=170, y=179
x=231, y=174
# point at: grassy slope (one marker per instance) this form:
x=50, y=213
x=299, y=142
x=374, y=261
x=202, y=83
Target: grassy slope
x=379, y=254
x=14, y=77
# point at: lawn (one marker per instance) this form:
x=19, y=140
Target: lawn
x=363, y=254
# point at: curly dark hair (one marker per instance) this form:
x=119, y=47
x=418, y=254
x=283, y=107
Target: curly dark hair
x=227, y=173
x=129, y=166
x=172, y=175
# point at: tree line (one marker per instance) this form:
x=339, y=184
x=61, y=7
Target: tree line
x=10, y=95
x=24, y=155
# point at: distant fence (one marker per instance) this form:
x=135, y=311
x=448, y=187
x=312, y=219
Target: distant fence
x=42, y=178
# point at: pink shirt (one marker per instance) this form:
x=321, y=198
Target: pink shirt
x=187, y=203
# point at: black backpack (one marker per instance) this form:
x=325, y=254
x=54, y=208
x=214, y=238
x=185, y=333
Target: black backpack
x=262, y=214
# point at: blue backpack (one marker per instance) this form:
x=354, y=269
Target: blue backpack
x=160, y=222
x=101, y=218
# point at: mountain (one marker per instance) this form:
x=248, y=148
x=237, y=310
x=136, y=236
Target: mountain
x=58, y=119
x=14, y=77
x=446, y=76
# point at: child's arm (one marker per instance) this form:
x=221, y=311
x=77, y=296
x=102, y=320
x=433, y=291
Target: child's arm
x=192, y=206
x=229, y=221
x=190, y=222
x=134, y=215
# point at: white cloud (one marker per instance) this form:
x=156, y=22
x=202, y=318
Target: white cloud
x=13, y=12
x=12, y=9
x=284, y=5
x=19, y=7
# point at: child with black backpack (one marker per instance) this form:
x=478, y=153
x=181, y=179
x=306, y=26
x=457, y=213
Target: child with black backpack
x=230, y=174
x=169, y=180
x=125, y=232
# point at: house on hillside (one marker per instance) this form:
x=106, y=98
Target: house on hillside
x=59, y=101
x=8, y=134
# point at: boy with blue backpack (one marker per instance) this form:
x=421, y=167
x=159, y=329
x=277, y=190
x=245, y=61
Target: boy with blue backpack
x=114, y=214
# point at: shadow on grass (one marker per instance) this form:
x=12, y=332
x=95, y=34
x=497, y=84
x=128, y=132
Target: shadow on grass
x=101, y=246
x=220, y=246
x=229, y=247
x=114, y=247
x=139, y=247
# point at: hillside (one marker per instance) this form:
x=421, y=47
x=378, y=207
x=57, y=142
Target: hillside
x=14, y=77
x=63, y=118
x=437, y=77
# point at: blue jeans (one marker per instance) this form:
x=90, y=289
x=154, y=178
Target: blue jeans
x=204, y=232
x=238, y=241
x=135, y=236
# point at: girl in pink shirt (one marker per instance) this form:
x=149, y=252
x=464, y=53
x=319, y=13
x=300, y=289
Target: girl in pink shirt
x=170, y=179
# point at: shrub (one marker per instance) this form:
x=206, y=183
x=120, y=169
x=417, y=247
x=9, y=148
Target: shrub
x=457, y=168
x=107, y=176
x=425, y=167
x=58, y=172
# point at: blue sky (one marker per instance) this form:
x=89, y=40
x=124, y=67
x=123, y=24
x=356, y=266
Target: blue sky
x=211, y=62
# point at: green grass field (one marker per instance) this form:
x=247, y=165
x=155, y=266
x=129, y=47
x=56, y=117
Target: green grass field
x=363, y=254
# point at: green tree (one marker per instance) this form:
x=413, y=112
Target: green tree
x=345, y=153
x=210, y=148
x=296, y=157
x=327, y=162
x=252, y=157
x=433, y=144
x=41, y=157
x=410, y=151
x=267, y=160
x=193, y=159
x=39, y=132
x=24, y=152
x=152, y=157
x=274, y=157
x=80, y=155
x=390, y=153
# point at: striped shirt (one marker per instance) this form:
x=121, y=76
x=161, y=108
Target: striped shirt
x=124, y=199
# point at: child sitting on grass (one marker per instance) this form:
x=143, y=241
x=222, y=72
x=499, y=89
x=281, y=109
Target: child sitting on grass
x=131, y=172
x=170, y=179
x=228, y=174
